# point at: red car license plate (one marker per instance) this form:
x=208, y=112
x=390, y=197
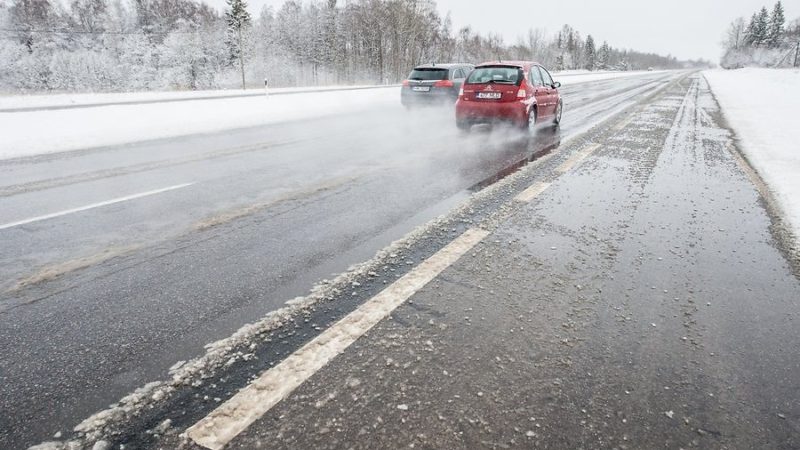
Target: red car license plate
x=490, y=95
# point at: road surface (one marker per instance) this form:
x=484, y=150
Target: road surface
x=118, y=262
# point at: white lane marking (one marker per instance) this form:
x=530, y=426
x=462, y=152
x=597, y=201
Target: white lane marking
x=248, y=405
x=573, y=160
x=531, y=192
x=93, y=205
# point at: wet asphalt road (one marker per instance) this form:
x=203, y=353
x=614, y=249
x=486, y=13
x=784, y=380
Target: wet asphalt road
x=100, y=302
x=639, y=302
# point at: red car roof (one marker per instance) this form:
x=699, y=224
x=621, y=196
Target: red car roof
x=509, y=63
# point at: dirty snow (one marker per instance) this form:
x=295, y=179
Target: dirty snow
x=761, y=105
x=194, y=372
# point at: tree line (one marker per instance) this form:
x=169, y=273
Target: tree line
x=764, y=40
x=128, y=45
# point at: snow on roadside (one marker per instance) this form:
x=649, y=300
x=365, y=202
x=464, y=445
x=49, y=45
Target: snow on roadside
x=9, y=102
x=28, y=133
x=25, y=101
x=761, y=105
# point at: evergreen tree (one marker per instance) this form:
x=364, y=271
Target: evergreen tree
x=590, y=55
x=603, y=56
x=238, y=20
x=749, y=32
x=560, y=63
x=761, y=28
x=776, y=24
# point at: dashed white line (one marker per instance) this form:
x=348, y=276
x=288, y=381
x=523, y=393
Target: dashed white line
x=92, y=206
x=248, y=405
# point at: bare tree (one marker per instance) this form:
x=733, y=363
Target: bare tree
x=735, y=37
x=184, y=44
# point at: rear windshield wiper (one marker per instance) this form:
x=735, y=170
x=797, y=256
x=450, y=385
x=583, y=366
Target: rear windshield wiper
x=493, y=81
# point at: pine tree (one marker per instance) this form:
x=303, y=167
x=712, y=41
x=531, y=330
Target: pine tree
x=238, y=20
x=776, y=24
x=749, y=32
x=560, y=63
x=761, y=28
x=590, y=56
x=603, y=56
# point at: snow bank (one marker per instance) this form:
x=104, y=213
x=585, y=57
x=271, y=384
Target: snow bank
x=763, y=107
x=10, y=102
x=49, y=131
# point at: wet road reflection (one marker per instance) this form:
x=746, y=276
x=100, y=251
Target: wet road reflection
x=522, y=151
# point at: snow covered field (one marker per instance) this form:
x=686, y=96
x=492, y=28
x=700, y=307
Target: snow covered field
x=27, y=133
x=763, y=107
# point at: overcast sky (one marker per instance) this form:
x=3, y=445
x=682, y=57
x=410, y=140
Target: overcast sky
x=683, y=28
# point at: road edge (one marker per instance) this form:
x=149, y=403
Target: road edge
x=780, y=228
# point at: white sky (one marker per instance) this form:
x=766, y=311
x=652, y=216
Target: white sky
x=683, y=28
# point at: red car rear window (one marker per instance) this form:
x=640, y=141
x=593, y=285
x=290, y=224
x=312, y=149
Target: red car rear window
x=495, y=74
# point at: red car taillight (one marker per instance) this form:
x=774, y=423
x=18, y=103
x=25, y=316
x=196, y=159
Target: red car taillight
x=521, y=93
x=444, y=83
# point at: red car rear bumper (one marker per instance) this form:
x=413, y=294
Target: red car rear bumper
x=483, y=112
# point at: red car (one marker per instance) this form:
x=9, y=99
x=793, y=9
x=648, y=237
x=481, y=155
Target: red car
x=520, y=92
